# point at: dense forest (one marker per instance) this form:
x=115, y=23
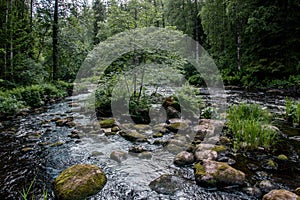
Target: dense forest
x=254, y=43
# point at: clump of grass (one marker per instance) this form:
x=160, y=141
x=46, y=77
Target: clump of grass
x=26, y=193
x=251, y=127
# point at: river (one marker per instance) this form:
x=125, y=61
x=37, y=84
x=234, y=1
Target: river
x=34, y=147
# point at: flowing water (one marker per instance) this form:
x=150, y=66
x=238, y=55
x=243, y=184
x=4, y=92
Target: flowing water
x=33, y=147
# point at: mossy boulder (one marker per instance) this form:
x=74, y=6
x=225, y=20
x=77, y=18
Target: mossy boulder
x=281, y=194
x=282, y=157
x=133, y=136
x=212, y=173
x=107, y=123
x=78, y=182
x=219, y=148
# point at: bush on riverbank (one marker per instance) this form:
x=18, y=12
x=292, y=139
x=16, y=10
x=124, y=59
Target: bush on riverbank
x=292, y=111
x=12, y=101
x=251, y=127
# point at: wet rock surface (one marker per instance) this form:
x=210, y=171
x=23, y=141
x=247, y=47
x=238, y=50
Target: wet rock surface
x=79, y=181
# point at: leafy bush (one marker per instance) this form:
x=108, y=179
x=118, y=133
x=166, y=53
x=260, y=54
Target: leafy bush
x=11, y=101
x=250, y=126
x=49, y=91
x=292, y=111
x=9, y=105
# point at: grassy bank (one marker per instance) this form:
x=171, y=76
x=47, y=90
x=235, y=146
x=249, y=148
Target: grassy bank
x=14, y=100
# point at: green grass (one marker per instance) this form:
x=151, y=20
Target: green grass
x=26, y=193
x=250, y=126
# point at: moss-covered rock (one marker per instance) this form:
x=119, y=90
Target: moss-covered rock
x=78, y=182
x=157, y=135
x=282, y=157
x=107, y=123
x=212, y=173
x=281, y=194
x=219, y=148
x=133, y=136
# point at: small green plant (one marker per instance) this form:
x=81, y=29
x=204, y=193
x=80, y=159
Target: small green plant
x=250, y=126
x=209, y=113
x=26, y=192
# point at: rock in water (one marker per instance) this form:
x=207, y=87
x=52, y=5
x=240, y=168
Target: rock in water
x=212, y=173
x=79, y=181
x=281, y=194
x=184, y=158
x=167, y=184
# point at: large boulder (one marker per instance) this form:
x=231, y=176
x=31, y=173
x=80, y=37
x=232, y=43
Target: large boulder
x=213, y=173
x=78, y=182
x=281, y=194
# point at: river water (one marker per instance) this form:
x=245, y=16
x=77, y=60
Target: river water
x=33, y=147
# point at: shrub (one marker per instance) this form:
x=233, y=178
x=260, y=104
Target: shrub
x=292, y=111
x=11, y=101
x=32, y=95
x=9, y=105
x=49, y=91
x=250, y=126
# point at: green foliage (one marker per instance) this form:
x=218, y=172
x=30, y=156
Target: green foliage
x=209, y=113
x=250, y=126
x=190, y=103
x=8, y=104
x=292, y=111
x=30, y=96
x=26, y=193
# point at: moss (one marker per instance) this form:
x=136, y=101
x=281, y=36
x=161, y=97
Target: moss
x=133, y=136
x=158, y=135
x=271, y=163
x=79, y=181
x=59, y=143
x=219, y=148
x=282, y=157
x=107, y=123
x=199, y=169
x=178, y=126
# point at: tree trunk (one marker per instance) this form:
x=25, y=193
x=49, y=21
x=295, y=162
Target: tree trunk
x=239, y=43
x=163, y=15
x=55, y=41
x=11, y=56
x=5, y=43
x=196, y=30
